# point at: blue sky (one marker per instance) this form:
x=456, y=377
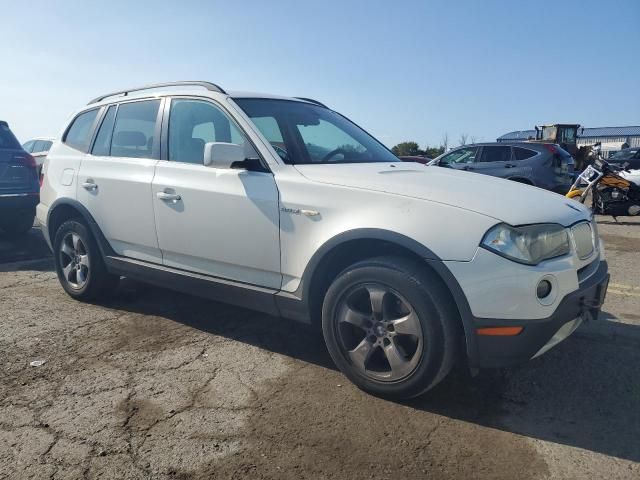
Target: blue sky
x=404, y=70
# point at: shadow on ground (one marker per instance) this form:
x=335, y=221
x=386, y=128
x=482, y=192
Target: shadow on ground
x=30, y=246
x=584, y=393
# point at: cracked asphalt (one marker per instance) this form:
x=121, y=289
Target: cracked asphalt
x=156, y=384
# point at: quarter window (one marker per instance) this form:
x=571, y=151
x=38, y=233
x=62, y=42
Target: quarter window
x=523, y=153
x=193, y=124
x=134, y=130
x=79, y=134
x=496, y=154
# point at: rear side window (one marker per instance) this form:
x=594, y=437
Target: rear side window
x=134, y=130
x=495, y=154
x=41, y=146
x=79, y=134
x=523, y=153
x=102, y=145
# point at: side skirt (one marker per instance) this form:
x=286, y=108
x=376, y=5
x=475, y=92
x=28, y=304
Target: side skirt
x=225, y=291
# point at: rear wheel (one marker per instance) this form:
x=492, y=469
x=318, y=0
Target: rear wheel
x=390, y=327
x=18, y=222
x=79, y=264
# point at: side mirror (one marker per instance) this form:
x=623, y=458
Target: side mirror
x=222, y=155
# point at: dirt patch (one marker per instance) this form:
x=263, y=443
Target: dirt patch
x=313, y=424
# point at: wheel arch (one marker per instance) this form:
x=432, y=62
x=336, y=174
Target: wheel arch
x=352, y=246
x=65, y=209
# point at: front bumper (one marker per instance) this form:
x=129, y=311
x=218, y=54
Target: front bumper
x=538, y=335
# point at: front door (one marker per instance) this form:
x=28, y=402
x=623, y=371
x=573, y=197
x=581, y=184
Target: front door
x=114, y=181
x=222, y=222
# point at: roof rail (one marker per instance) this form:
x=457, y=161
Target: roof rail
x=311, y=100
x=208, y=85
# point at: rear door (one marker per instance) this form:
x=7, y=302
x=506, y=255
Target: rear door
x=496, y=160
x=114, y=181
x=17, y=172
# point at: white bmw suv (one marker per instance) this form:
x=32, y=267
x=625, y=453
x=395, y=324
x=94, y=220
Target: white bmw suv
x=285, y=206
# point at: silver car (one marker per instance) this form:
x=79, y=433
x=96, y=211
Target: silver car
x=544, y=165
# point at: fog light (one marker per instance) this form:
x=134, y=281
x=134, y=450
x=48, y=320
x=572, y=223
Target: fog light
x=544, y=289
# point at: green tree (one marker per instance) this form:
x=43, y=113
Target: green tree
x=407, y=149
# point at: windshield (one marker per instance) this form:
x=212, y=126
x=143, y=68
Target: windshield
x=626, y=154
x=303, y=133
x=549, y=133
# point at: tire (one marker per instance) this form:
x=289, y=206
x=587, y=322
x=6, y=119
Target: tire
x=423, y=346
x=18, y=222
x=79, y=263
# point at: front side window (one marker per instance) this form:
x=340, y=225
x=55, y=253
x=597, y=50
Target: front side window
x=495, y=154
x=134, y=129
x=193, y=124
x=460, y=156
x=79, y=134
x=304, y=133
x=568, y=135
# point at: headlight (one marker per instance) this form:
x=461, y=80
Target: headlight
x=530, y=244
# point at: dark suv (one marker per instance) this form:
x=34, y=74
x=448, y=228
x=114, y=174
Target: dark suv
x=544, y=165
x=630, y=156
x=19, y=186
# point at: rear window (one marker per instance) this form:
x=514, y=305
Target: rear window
x=523, y=153
x=79, y=134
x=7, y=139
x=41, y=146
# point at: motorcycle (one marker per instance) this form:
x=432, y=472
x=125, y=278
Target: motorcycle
x=613, y=192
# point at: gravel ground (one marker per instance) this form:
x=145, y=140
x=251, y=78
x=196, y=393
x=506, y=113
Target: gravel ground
x=155, y=384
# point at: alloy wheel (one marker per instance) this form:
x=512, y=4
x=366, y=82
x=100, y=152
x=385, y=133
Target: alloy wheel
x=74, y=260
x=380, y=332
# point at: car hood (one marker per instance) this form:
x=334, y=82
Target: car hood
x=504, y=200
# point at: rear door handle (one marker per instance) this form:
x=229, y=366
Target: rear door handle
x=168, y=197
x=509, y=165
x=89, y=185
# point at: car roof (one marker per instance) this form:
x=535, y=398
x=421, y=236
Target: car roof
x=507, y=144
x=189, y=92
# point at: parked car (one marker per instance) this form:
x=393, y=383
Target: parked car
x=19, y=189
x=39, y=148
x=628, y=155
x=544, y=165
x=285, y=206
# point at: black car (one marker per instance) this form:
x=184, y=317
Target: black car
x=628, y=155
x=19, y=184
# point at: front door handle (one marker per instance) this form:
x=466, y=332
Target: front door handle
x=168, y=197
x=509, y=165
x=90, y=186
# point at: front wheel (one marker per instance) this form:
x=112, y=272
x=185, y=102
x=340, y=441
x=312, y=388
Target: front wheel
x=390, y=327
